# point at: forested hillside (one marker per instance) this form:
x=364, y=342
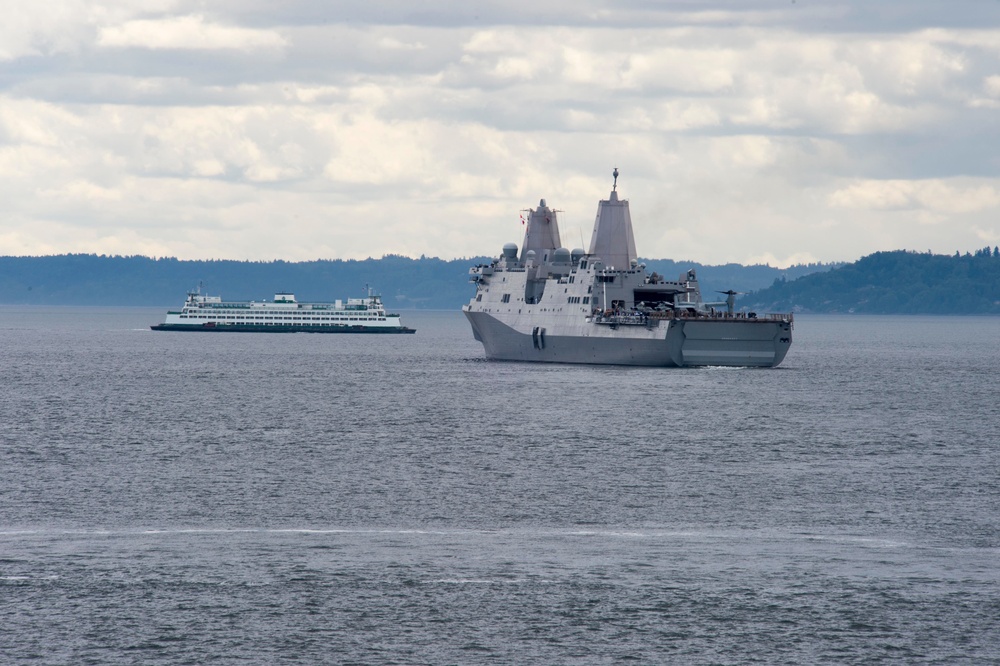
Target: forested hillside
x=405, y=283
x=884, y=282
x=86, y=279
x=897, y=282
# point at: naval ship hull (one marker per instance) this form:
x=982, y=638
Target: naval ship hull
x=663, y=343
x=547, y=303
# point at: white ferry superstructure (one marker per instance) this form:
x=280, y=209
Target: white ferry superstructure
x=282, y=315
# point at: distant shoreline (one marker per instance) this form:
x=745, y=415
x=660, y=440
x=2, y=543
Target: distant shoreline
x=896, y=282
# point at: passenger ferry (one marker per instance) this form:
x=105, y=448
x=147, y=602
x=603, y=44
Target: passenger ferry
x=282, y=315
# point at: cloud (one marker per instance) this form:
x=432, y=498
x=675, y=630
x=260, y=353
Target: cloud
x=186, y=32
x=991, y=86
x=936, y=196
x=743, y=130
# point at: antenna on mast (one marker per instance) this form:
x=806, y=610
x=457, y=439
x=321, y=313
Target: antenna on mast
x=615, y=174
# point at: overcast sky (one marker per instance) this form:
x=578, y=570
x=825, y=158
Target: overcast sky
x=745, y=130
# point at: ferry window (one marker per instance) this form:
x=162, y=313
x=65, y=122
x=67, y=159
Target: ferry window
x=505, y=299
x=479, y=297
x=586, y=299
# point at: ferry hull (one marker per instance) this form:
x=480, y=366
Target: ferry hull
x=676, y=343
x=243, y=328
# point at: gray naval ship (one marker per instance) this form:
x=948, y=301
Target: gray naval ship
x=550, y=304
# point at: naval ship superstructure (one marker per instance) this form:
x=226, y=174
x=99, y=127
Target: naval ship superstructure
x=551, y=304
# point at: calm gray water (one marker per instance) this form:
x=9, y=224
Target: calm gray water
x=176, y=498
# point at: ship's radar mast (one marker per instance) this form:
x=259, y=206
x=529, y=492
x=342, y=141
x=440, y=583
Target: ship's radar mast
x=613, y=240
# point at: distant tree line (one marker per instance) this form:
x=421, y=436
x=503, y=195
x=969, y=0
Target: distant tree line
x=985, y=252
x=884, y=282
x=88, y=279
x=899, y=282
x=403, y=282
